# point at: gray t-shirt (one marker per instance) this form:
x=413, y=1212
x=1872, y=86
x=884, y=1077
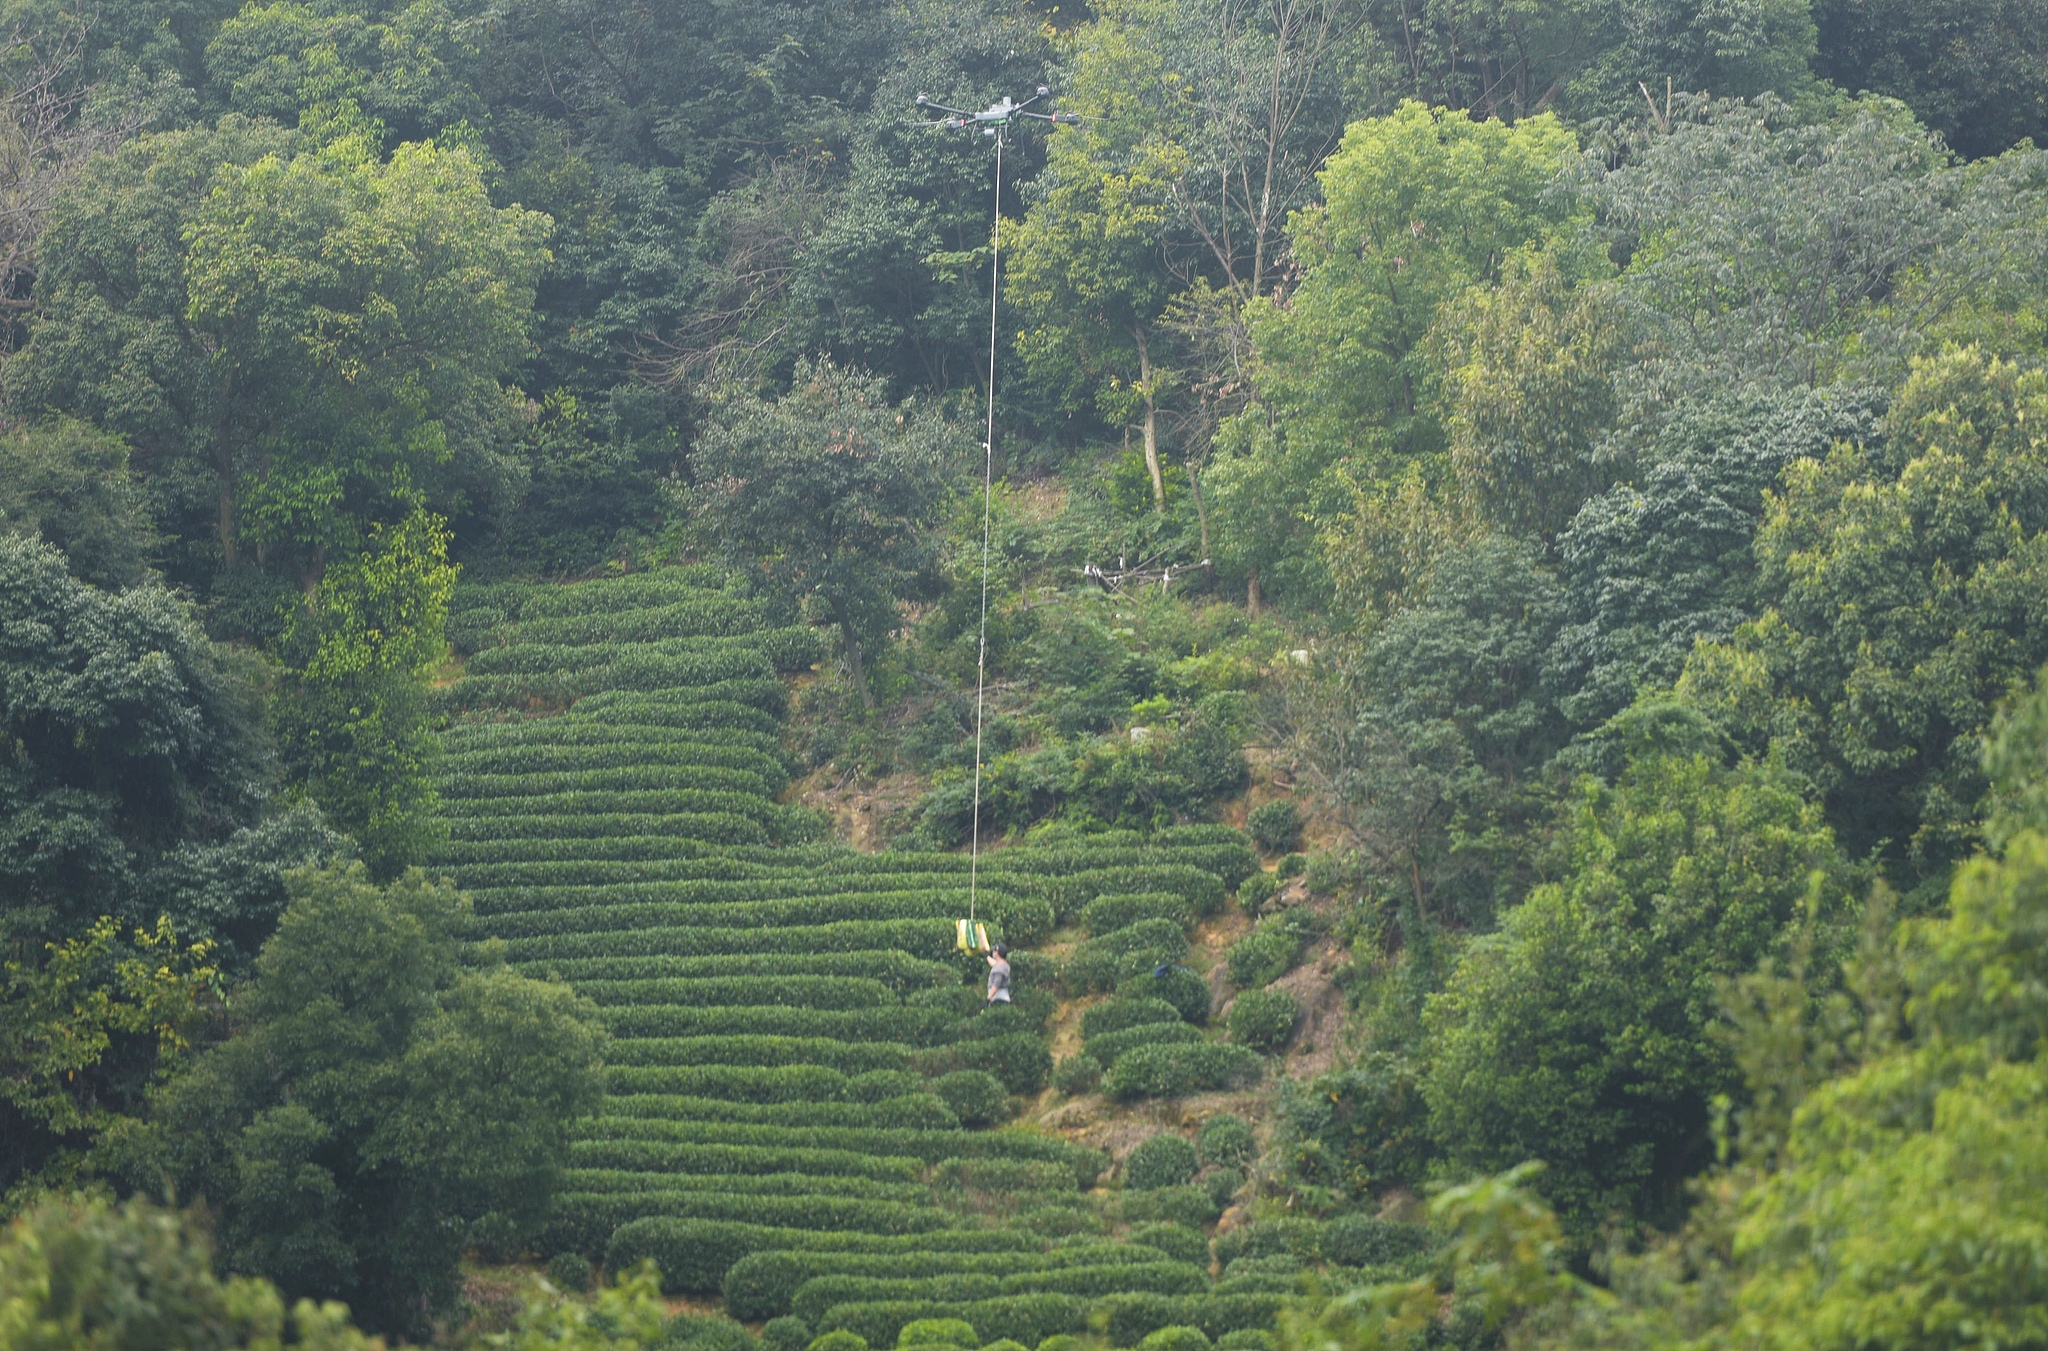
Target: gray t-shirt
x=998, y=981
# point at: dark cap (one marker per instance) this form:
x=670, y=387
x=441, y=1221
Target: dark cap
x=1001, y=949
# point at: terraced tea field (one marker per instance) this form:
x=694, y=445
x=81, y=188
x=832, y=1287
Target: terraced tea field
x=804, y=1093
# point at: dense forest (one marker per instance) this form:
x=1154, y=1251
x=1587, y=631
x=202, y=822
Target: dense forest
x=1464, y=586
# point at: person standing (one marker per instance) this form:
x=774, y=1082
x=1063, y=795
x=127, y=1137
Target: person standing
x=999, y=974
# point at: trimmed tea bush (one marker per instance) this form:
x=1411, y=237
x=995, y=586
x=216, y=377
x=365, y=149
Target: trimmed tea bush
x=1106, y=914
x=1100, y=963
x=1187, y=992
x=977, y=1097
x=938, y=1332
x=1187, y=1205
x=1169, y=1071
x=1225, y=1141
x=1263, y=1019
x=1106, y=1048
x=1128, y=1319
x=1178, y=1241
x=1019, y=1060
x=787, y=1333
x=1117, y=1015
x=1269, y=951
x=1247, y=1339
x=1165, y=1160
x=569, y=1272
x=1274, y=827
x=1176, y=1339
x=1077, y=1074
x=839, y=1340
x=1368, y=1241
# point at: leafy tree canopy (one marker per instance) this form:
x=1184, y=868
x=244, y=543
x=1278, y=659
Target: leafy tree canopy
x=385, y=1103
x=1579, y=1034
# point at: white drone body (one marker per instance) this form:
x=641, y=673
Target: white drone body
x=992, y=119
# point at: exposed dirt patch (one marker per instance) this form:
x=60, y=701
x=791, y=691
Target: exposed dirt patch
x=858, y=810
x=1319, y=1041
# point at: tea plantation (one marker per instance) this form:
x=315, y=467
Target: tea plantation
x=805, y=1094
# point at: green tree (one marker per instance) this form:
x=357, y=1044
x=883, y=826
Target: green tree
x=83, y=1033
x=386, y=1102
x=1529, y=389
x=1772, y=248
x=1418, y=206
x=1905, y=576
x=1976, y=72
x=306, y=341
x=129, y=735
x=80, y=1272
x=626, y=1316
x=1579, y=1033
x=353, y=714
x=69, y=484
x=1433, y=759
x=1652, y=566
x=1088, y=265
x=1878, y=1192
x=828, y=494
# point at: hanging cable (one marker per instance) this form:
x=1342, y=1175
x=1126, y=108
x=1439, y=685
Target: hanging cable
x=988, y=490
x=993, y=121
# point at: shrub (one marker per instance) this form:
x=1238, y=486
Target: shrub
x=1020, y=1060
x=694, y=1255
x=569, y=1272
x=1269, y=951
x=881, y=1085
x=1100, y=963
x=1225, y=1141
x=1368, y=1241
x=1106, y=914
x=1291, y=865
x=1165, y=1160
x=1006, y=1344
x=1169, y=1071
x=787, y=1333
x=1247, y=1339
x=976, y=1096
x=839, y=1340
x=1187, y=1205
x=1063, y=1341
x=1178, y=1338
x=818, y=1296
x=1223, y=1184
x=1128, y=1318
x=1178, y=986
x=1297, y=1238
x=1178, y=1241
x=1255, y=891
x=1263, y=1019
x=1108, y=1047
x=962, y=1001
x=762, y=1284
x=1118, y=1015
x=938, y=1332
x=1274, y=827
x=1077, y=1074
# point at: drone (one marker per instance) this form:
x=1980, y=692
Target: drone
x=995, y=117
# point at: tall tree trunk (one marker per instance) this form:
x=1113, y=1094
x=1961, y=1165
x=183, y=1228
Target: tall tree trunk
x=1151, y=422
x=1251, y=593
x=1201, y=518
x=856, y=667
